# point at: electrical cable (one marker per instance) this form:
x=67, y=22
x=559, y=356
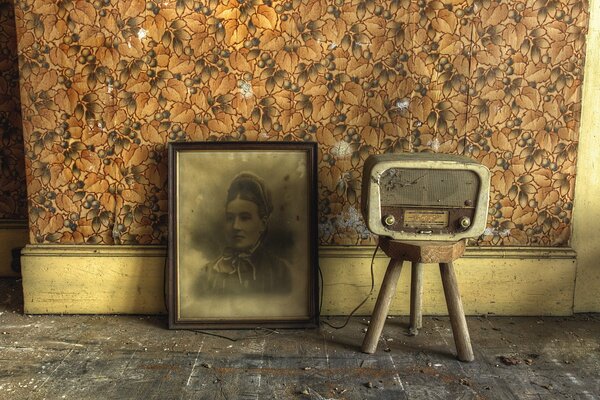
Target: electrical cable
x=269, y=332
x=361, y=303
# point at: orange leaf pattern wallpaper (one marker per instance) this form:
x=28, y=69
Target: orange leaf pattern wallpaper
x=106, y=84
x=13, y=195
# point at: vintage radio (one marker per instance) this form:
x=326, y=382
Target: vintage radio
x=425, y=196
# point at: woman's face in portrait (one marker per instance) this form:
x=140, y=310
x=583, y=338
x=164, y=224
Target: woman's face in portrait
x=243, y=223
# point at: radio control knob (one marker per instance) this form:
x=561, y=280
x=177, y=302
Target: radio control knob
x=389, y=220
x=464, y=222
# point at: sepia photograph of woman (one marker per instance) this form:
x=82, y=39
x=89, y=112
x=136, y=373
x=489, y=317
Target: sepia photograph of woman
x=246, y=264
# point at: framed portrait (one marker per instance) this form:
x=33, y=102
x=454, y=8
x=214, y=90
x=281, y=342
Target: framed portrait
x=242, y=235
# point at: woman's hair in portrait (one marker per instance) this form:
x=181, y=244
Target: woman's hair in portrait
x=250, y=187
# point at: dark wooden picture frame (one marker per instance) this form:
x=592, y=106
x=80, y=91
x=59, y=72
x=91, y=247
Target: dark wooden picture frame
x=242, y=235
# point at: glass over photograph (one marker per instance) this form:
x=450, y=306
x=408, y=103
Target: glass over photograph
x=243, y=236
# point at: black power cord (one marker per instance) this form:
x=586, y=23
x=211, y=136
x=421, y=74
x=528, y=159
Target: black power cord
x=361, y=303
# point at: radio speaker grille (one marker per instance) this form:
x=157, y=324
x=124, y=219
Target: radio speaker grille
x=427, y=187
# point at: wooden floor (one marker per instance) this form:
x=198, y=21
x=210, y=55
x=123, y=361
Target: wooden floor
x=136, y=357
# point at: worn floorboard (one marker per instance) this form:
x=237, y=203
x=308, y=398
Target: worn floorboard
x=136, y=357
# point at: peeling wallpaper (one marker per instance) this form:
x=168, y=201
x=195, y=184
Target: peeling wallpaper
x=106, y=84
x=13, y=196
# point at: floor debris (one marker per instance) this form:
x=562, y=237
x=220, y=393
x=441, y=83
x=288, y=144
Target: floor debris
x=314, y=395
x=509, y=360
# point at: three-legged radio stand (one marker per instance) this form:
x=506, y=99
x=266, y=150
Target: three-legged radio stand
x=420, y=252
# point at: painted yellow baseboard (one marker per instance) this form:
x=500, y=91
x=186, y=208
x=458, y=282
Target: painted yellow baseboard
x=93, y=279
x=14, y=234
x=519, y=281
x=130, y=280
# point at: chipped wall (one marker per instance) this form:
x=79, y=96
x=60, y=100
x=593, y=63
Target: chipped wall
x=105, y=85
x=13, y=196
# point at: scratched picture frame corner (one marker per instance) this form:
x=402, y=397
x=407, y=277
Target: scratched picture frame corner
x=243, y=250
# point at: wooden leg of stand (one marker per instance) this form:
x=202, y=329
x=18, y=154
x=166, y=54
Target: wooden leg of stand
x=457, y=314
x=382, y=306
x=416, y=298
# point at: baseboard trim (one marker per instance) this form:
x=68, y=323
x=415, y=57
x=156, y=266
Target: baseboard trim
x=87, y=279
x=14, y=235
x=471, y=252
x=76, y=279
x=65, y=250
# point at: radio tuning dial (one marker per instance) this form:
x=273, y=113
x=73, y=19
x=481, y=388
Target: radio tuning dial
x=464, y=222
x=389, y=220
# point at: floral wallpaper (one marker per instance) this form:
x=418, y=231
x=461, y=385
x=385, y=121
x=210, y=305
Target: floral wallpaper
x=13, y=195
x=106, y=84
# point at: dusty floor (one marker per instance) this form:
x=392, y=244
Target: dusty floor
x=136, y=357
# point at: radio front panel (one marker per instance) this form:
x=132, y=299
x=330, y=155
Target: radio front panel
x=428, y=201
x=425, y=196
